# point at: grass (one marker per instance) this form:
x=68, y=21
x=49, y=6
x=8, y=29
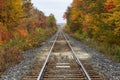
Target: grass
x=10, y=53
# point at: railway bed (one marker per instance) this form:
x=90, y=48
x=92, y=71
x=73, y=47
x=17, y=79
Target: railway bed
x=62, y=63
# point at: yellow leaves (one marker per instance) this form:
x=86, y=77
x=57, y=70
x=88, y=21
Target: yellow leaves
x=112, y=19
x=92, y=5
x=30, y=45
x=13, y=11
x=88, y=18
x=74, y=17
x=95, y=29
x=116, y=2
x=75, y=11
x=77, y=3
x=76, y=14
x=117, y=32
x=115, y=16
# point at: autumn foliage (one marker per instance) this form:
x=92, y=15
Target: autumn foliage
x=110, y=5
x=96, y=21
x=21, y=27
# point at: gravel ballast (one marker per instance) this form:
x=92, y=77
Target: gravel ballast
x=106, y=66
x=109, y=68
x=30, y=56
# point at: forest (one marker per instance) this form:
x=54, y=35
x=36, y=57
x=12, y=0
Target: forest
x=22, y=27
x=96, y=23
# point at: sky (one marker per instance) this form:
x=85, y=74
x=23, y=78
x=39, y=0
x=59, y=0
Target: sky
x=56, y=7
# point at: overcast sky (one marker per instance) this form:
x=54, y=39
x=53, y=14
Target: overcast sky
x=57, y=7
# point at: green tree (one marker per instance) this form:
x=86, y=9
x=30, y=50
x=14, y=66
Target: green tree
x=51, y=21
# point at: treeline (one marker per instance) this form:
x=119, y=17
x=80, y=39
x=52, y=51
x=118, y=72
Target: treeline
x=96, y=22
x=21, y=27
x=18, y=18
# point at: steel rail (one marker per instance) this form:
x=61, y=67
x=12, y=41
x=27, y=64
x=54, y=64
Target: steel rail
x=46, y=61
x=77, y=59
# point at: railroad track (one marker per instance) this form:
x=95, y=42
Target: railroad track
x=62, y=63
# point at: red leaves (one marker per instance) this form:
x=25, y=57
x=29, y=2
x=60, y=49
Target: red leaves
x=37, y=23
x=2, y=5
x=65, y=15
x=3, y=0
x=109, y=6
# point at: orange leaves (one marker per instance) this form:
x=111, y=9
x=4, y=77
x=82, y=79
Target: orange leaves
x=3, y=34
x=85, y=24
x=109, y=6
x=2, y=5
x=22, y=32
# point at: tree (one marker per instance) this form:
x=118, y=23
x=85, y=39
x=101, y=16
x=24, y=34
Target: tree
x=96, y=19
x=51, y=21
x=2, y=10
x=12, y=12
